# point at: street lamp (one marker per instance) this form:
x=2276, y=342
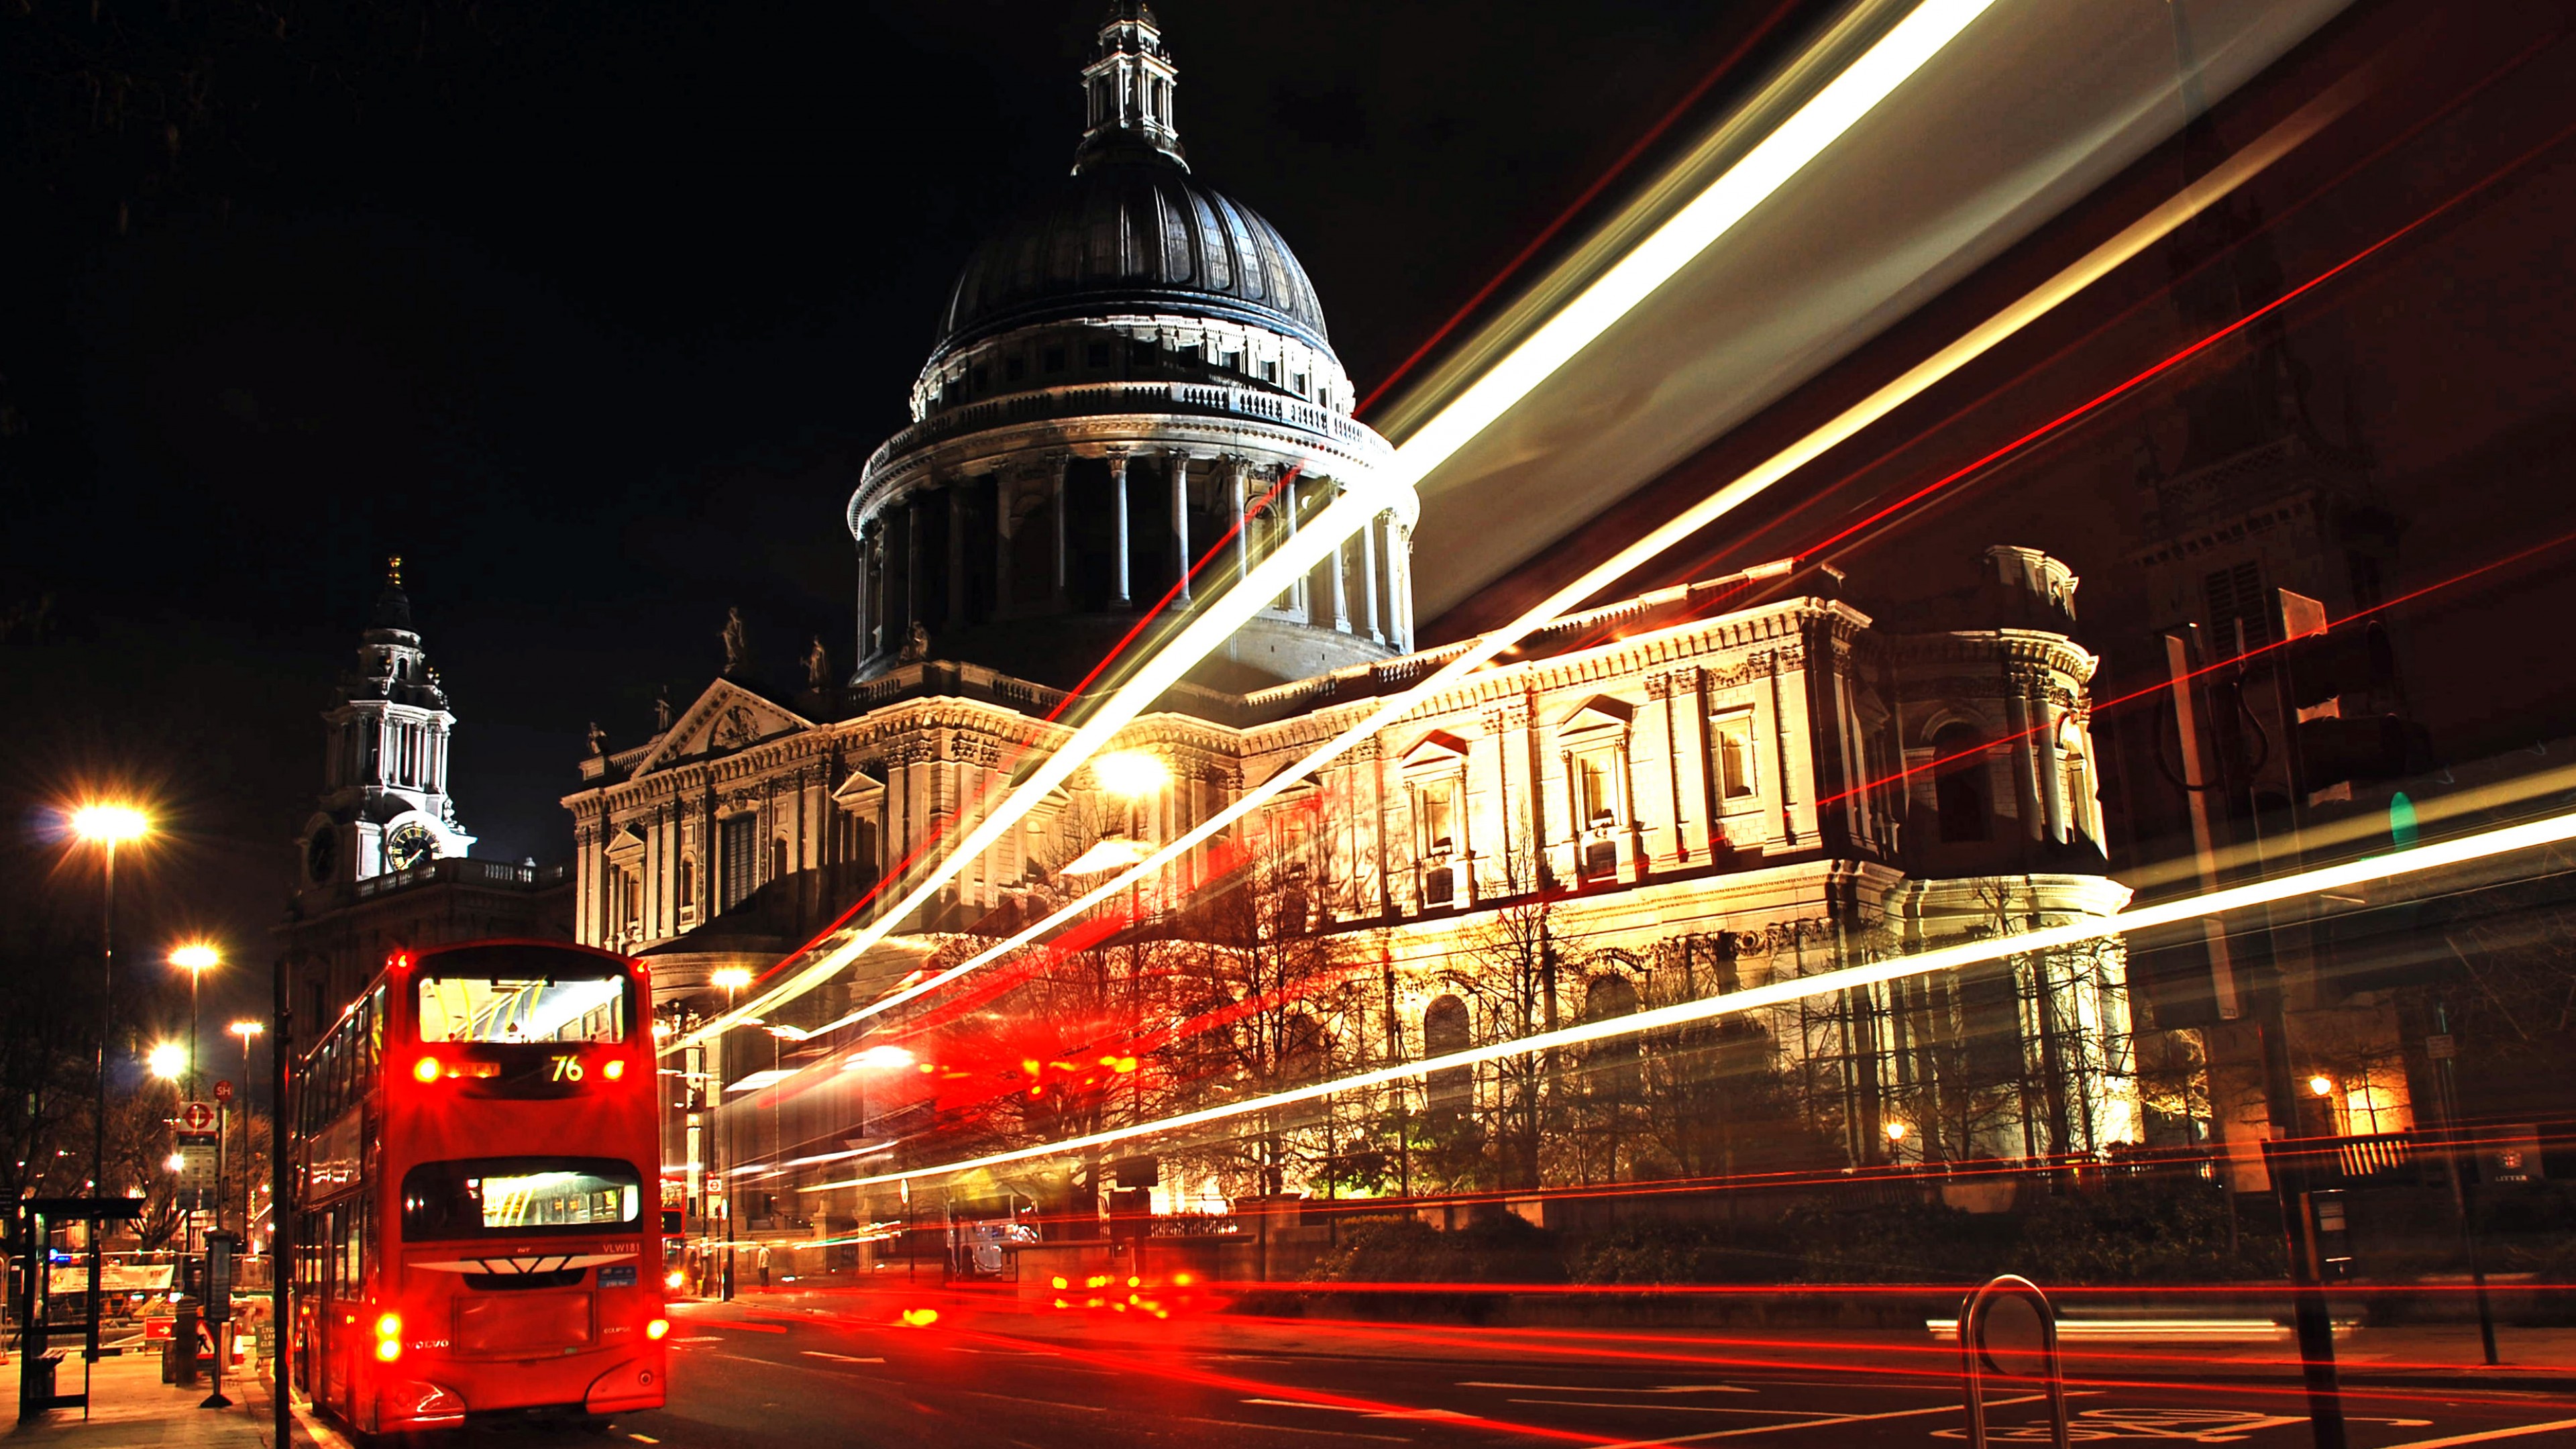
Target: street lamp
x=246, y=1030
x=197, y=958
x=105, y=824
x=1895, y=1142
x=167, y=1061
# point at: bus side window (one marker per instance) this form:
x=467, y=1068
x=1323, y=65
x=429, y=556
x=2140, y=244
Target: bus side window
x=367, y=1241
x=376, y=1034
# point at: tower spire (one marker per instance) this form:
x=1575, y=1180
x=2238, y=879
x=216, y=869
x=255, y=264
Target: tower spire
x=1127, y=92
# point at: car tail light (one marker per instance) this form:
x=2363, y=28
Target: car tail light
x=655, y=1329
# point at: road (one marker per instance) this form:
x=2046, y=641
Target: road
x=782, y=1374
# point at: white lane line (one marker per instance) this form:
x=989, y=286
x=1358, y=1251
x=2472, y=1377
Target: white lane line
x=1841, y=1419
x=1017, y=1399
x=643, y=1438
x=2488, y=1436
x=836, y=1357
x=1678, y=1409
x=1611, y=1388
x=1362, y=1412
x=1284, y=1429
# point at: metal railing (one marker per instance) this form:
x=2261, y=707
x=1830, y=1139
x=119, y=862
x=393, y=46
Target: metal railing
x=1978, y=1357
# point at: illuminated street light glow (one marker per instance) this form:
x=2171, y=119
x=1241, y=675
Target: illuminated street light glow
x=175, y=1162
x=731, y=978
x=2321, y=1086
x=246, y=1030
x=1655, y=260
x=196, y=958
x=109, y=823
x=2373, y=870
x=2149, y=229
x=167, y=1061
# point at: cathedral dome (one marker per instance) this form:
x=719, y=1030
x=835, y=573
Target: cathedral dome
x=1132, y=231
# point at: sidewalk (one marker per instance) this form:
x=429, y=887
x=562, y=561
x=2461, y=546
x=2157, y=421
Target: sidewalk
x=130, y=1406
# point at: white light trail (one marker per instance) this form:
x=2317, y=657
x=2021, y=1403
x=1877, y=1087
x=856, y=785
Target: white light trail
x=2553, y=830
x=2130, y=241
x=1786, y=151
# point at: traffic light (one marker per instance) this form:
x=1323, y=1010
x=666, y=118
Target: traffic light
x=2341, y=681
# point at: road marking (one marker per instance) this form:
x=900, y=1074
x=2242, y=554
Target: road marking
x=2487, y=1437
x=1611, y=1388
x=1285, y=1429
x=1843, y=1419
x=643, y=1438
x=1018, y=1399
x=1666, y=1408
x=701, y=1338
x=836, y=1357
x=1365, y=1413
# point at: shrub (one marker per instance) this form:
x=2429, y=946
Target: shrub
x=2143, y=1231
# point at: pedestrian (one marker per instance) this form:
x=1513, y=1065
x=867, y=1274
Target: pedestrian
x=764, y=1267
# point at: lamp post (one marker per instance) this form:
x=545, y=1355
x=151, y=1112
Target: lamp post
x=246, y=1030
x=733, y=979
x=105, y=825
x=197, y=958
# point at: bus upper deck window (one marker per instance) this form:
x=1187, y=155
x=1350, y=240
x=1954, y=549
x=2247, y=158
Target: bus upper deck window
x=511, y=1010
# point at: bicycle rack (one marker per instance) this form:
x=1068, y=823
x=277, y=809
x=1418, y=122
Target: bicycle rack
x=1975, y=1363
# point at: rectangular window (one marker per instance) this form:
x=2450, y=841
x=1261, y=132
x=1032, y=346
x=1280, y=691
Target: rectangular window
x=1593, y=785
x=739, y=840
x=1439, y=816
x=1731, y=755
x=1013, y=369
x=523, y=1009
x=510, y=1196
x=1054, y=359
x=1096, y=356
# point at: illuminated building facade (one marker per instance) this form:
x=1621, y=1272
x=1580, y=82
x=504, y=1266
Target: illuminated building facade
x=1699, y=789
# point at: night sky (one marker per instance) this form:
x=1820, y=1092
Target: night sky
x=592, y=312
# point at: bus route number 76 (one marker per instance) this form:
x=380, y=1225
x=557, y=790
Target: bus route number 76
x=566, y=1068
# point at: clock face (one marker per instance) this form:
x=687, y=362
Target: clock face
x=319, y=853
x=407, y=846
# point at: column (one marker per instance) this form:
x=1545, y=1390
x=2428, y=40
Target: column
x=1118, y=585
x=1339, y=563
x=1180, y=465
x=2052, y=769
x=1368, y=580
x=1001, y=545
x=1399, y=580
x=911, y=563
x=1060, y=462
x=1285, y=506
x=866, y=647
x=956, y=554
x=1234, y=492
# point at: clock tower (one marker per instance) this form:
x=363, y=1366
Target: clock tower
x=385, y=806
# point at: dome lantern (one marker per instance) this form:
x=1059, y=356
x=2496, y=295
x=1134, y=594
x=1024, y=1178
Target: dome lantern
x=1127, y=92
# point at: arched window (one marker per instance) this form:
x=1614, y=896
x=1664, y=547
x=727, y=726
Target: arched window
x=1613, y=1061
x=1959, y=783
x=688, y=891
x=1445, y=1029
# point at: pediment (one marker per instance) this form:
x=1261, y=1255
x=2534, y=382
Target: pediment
x=861, y=790
x=1600, y=712
x=726, y=718
x=627, y=843
x=1438, y=750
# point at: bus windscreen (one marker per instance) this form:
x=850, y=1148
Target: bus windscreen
x=513, y=1009
x=481, y=1197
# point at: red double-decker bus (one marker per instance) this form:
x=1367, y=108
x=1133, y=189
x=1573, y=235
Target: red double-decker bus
x=478, y=1184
